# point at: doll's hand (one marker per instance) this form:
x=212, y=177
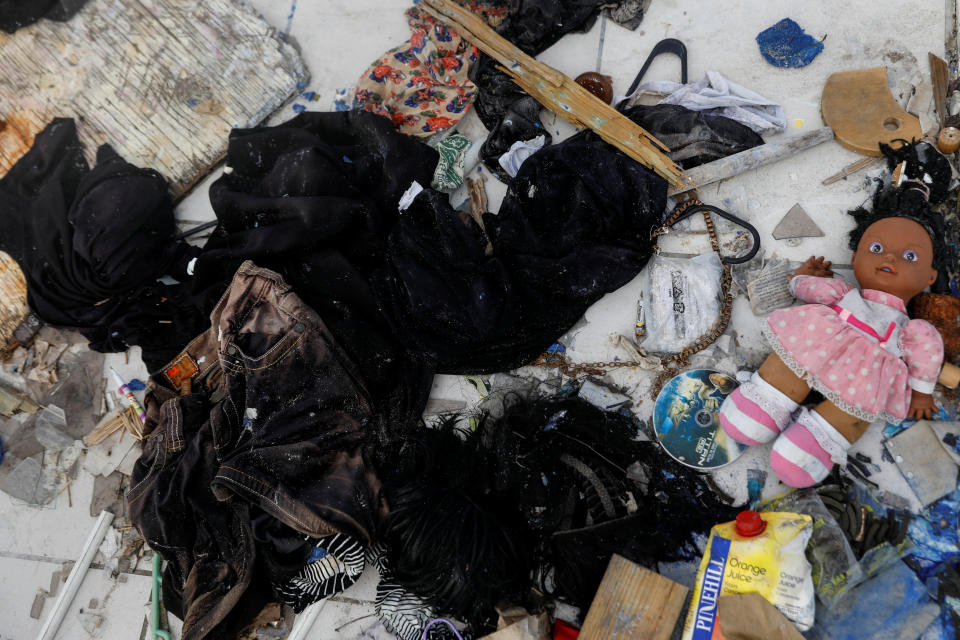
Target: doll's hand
x=815, y=267
x=921, y=406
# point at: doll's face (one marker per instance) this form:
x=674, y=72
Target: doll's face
x=895, y=255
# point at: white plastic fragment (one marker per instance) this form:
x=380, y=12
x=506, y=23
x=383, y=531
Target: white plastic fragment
x=408, y=196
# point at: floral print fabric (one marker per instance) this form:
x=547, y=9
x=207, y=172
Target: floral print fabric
x=422, y=85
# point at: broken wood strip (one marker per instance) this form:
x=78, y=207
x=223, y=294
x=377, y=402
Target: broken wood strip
x=104, y=430
x=162, y=81
x=560, y=93
x=617, y=132
x=852, y=168
x=940, y=75
x=753, y=158
x=473, y=28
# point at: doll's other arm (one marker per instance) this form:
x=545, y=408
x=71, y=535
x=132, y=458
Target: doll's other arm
x=922, y=349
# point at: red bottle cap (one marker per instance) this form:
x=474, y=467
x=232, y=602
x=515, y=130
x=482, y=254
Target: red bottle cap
x=749, y=524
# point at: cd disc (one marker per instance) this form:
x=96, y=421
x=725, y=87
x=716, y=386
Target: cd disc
x=686, y=419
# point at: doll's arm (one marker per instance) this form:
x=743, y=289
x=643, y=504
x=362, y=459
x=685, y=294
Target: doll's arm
x=814, y=266
x=922, y=349
x=819, y=290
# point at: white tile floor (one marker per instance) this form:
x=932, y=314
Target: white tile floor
x=339, y=38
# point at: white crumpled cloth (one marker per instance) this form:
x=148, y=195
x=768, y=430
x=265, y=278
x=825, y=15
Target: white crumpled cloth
x=716, y=95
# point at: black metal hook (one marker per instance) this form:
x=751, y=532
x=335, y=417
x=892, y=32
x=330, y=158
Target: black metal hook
x=735, y=220
x=668, y=45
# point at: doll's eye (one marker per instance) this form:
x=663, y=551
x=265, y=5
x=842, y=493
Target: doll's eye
x=876, y=247
x=910, y=255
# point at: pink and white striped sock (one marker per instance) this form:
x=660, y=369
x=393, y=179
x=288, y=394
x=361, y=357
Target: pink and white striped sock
x=756, y=412
x=805, y=453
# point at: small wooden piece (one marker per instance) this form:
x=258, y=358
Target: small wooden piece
x=851, y=169
x=633, y=602
x=751, y=159
x=862, y=112
x=949, y=140
x=949, y=376
x=558, y=92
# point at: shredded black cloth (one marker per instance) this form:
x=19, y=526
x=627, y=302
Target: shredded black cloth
x=92, y=244
x=15, y=14
x=538, y=499
x=694, y=138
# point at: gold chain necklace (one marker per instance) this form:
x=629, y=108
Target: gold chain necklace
x=670, y=365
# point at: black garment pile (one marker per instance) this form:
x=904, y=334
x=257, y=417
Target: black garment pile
x=536, y=501
x=315, y=199
x=93, y=243
x=15, y=14
x=361, y=304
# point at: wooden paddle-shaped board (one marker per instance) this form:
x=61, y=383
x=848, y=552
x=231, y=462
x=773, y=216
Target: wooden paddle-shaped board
x=862, y=112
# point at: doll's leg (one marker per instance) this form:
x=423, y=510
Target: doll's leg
x=758, y=410
x=806, y=452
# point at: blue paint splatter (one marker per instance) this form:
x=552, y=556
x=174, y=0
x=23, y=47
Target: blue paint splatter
x=347, y=160
x=299, y=108
x=340, y=100
x=786, y=45
x=312, y=96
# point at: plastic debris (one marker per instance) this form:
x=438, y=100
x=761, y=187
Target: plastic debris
x=930, y=471
x=786, y=45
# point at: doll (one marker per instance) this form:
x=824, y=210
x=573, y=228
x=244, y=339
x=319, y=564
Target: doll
x=857, y=347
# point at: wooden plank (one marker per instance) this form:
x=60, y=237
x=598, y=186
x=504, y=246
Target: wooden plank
x=940, y=76
x=560, y=93
x=752, y=158
x=633, y=602
x=163, y=81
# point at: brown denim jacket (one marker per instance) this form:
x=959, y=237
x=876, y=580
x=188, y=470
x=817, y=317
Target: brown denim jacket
x=277, y=418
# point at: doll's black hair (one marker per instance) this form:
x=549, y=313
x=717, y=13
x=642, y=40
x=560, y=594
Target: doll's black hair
x=925, y=183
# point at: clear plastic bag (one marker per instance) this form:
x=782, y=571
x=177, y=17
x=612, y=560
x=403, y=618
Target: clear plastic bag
x=681, y=301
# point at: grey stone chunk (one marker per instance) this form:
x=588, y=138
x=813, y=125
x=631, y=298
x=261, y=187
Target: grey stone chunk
x=796, y=224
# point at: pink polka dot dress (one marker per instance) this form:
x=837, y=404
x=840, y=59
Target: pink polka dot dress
x=860, y=350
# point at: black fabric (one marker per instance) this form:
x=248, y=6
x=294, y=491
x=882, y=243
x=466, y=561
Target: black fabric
x=575, y=224
x=15, y=14
x=694, y=138
x=92, y=244
x=532, y=26
x=535, y=25
x=520, y=123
